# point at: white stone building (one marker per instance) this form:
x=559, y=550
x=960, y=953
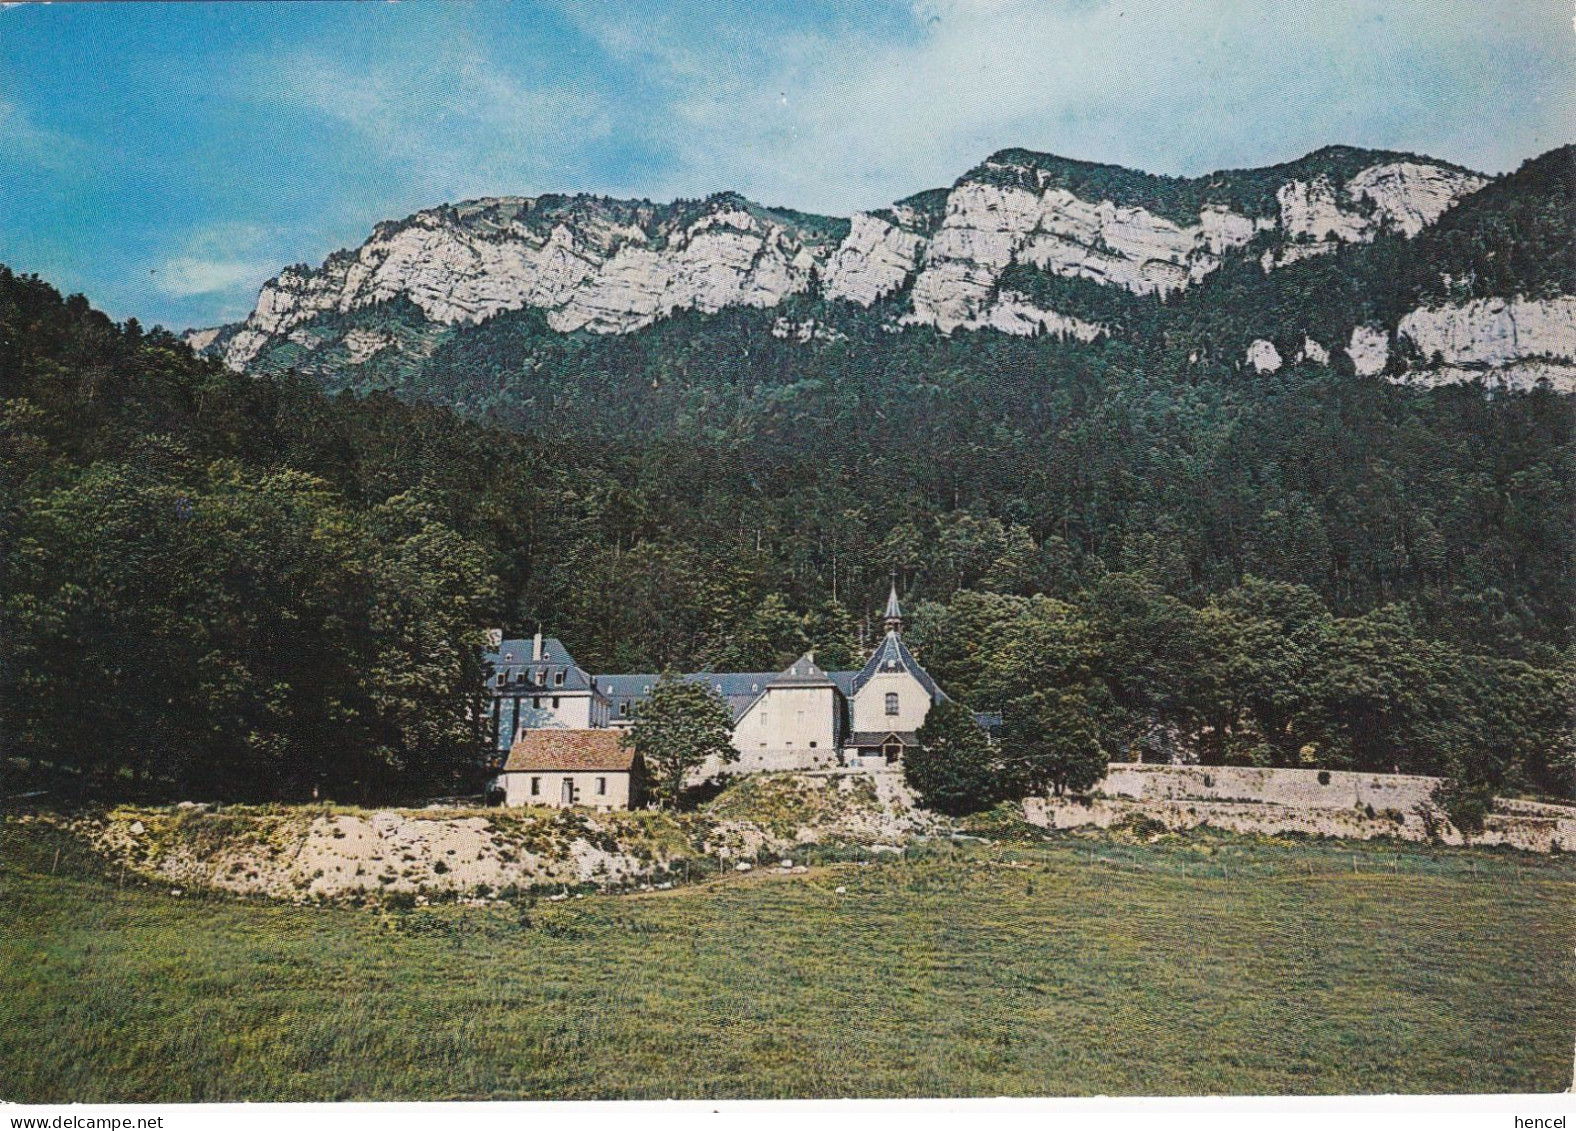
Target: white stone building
x=560, y=768
x=801, y=718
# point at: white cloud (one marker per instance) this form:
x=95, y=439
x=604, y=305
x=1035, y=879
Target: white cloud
x=24, y=141
x=448, y=118
x=185, y=276
x=849, y=119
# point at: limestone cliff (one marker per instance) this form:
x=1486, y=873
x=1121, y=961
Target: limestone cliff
x=1514, y=343
x=612, y=266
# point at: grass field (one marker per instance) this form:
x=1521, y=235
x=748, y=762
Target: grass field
x=1200, y=965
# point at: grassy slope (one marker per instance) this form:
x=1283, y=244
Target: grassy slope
x=1147, y=971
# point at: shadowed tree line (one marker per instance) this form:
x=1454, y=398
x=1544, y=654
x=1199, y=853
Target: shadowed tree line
x=234, y=585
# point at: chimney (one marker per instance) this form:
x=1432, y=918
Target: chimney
x=536, y=647
x=494, y=638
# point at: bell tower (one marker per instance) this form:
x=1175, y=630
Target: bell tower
x=893, y=618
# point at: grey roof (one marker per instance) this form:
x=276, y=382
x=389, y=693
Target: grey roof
x=877, y=737
x=803, y=672
x=740, y=689
x=894, y=611
x=893, y=655
x=512, y=659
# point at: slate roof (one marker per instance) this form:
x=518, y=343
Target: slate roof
x=803, y=672
x=869, y=738
x=512, y=660
x=894, y=611
x=626, y=691
x=893, y=655
x=570, y=750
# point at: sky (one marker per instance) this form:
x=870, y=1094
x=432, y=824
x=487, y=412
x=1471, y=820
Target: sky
x=168, y=160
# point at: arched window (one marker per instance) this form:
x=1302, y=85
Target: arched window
x=891, y=702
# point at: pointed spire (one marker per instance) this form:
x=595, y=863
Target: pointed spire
x=894, y=611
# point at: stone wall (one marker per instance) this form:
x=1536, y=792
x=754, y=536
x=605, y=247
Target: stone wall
x=1273, y=802
x=1306, y=789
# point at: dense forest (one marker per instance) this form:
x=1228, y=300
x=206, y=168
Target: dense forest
x=254, y=585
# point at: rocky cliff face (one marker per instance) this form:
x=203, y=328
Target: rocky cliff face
x=1514, y=343
x=609, y=266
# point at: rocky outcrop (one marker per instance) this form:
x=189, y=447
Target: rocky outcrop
x=877, y=258
x=1493, y=331
x=1263, y=356
x=1369, y=350
x=989, y=226
x=605, y=266
x=1503, y=343
x=611, y=266
x=1314, y=352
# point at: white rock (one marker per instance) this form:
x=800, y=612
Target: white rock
x=1314, y=352
x=840, y=890
x=1404, y=195
x=1519, y=375
x=1013, y=313
x=877, y=258
x=136, y=828
x=364, y=344
x=743, y=866
x=1493, y=331
x=1369, y=350
x=1263, y=356
x=1411, y=196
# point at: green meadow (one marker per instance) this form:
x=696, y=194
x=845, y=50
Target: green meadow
x=1065, y=967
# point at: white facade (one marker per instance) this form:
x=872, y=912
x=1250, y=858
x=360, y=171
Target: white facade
x=890, y=701
x=802, y=718
x=789, y=718
x=598, y=789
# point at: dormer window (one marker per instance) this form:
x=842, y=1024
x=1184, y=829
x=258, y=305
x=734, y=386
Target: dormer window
x=558, y=678
x=541, y=675
x=508, y=657
x=891, y=702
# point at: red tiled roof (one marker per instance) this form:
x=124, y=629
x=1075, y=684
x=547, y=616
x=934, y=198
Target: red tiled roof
x=570, y=750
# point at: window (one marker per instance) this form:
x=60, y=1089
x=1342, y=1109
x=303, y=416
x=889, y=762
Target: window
x=891, y=702
x=536, y=787
x=623, y=707
x=601, y=785
x=541, y=675
x=555, y=702
x=813, y=745
x=558, y=678
x=503, y=678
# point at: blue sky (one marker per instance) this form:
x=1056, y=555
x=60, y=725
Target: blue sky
x=166, y=161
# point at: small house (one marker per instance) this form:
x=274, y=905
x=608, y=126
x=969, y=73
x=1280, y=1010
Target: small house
x=563, y=768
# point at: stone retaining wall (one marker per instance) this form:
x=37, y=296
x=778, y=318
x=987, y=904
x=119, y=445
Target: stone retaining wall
x=1271, y=802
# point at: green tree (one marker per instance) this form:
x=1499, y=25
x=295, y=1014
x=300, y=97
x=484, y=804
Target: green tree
x=954, y=770
x=1049, y=744
x=677, y=729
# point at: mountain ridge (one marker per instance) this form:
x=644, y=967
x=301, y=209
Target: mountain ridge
x=962, y=258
